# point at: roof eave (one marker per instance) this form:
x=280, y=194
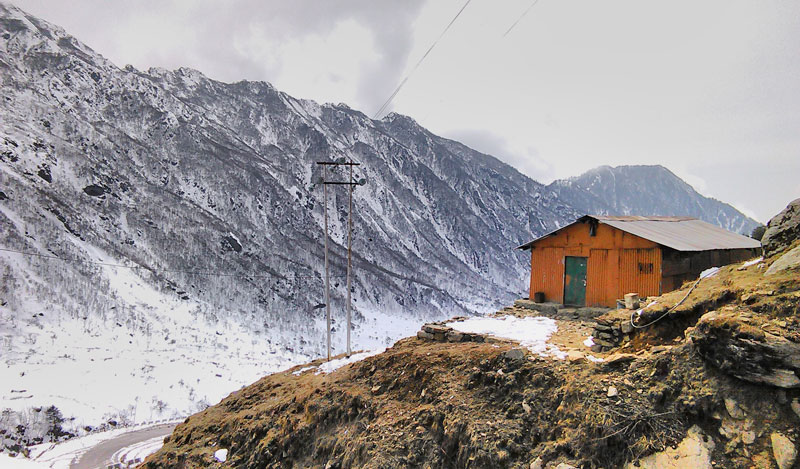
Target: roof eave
x=530, y=244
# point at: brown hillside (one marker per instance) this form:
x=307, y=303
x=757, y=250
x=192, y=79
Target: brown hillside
x=453, y=405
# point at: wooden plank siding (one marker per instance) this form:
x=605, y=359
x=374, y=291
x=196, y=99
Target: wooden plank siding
x=613, y=269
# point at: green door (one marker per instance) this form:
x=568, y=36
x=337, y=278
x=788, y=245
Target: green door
x=575, y=281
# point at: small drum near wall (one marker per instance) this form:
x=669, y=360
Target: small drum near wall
x=538, y=297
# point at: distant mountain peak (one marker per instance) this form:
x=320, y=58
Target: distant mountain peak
x=646, y=190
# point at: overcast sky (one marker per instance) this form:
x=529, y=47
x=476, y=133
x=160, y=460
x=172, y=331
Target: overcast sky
x=709, y=89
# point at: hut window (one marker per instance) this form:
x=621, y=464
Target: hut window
x=592, y=229
x=645, y=268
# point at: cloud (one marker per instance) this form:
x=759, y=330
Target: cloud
x=348, y=50
x=526, y=161
x=750, y=213
x=558, y=96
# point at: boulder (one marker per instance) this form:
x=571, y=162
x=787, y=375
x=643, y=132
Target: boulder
x=626, y=327
x=515, y=354
x=784, y=451
x=436, y=328
x=788, y=260
x=734, y=409
x=575, y=355
x=745, y=350
x=94, y=190
x=795, y=405
x=782, y=230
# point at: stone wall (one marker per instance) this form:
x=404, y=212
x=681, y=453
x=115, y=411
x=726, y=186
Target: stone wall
x=610, y=333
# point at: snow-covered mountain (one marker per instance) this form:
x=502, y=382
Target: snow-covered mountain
x=162, y=239
x=646, y=190
x=160, y=215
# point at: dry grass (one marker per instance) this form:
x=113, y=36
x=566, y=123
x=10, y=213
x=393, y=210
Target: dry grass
x=441, y=405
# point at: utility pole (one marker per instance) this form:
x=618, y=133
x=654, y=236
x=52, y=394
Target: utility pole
x=350, y=183
x=327, y=272
x=349, y=254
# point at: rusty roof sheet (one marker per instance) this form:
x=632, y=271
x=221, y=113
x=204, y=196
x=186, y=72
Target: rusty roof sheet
x=679, y=233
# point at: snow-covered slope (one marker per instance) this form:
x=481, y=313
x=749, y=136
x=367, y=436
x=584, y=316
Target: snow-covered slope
x=646, y=190
x=162, y=232
x=161, y=227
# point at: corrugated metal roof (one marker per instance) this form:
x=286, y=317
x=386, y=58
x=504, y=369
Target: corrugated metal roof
x=679, y=233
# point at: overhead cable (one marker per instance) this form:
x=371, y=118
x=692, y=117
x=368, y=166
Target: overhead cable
x=520, y=18
x=405, y=79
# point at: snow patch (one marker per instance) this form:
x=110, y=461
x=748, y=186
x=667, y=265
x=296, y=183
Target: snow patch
x=710, y=272
x=531, y=333
x=752, y=262
x=334, y=365
x=302, y=370
x=221, y=455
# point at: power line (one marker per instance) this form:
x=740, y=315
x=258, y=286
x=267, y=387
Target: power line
x=405, y=79
x=133, y=267
x=520, y=17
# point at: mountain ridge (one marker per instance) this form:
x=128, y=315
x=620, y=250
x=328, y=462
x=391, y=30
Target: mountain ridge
x=646, y=190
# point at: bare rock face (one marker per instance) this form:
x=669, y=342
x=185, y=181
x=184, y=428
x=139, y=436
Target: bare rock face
x=788, y=260
x=782, y=229
x=694, y=451
x=744, y=350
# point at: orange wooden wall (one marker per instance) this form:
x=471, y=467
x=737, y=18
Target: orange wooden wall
x=618, y=263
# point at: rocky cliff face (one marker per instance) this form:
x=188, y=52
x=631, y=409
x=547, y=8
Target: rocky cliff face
x=646, y=190
x=782, y=230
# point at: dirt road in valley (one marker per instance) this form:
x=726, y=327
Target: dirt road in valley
x=100, y=456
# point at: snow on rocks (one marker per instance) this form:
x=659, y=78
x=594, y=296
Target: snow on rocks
x=221, y=455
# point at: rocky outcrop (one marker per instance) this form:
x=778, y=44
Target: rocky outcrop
x=441, y=332
x=782, y=230
x=788, y=260
x=748, y=347
x=694, y=451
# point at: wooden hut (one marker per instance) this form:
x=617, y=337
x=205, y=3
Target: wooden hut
x=598, y=259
